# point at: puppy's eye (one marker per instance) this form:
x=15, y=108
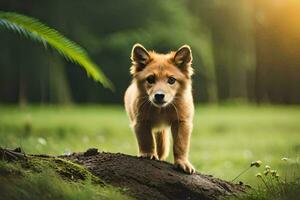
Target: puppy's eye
x=171, y=80
x=151, y=79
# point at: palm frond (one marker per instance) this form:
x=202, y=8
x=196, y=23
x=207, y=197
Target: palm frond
x=33, y=29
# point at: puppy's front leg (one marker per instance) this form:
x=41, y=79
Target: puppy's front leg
x=145, y=140
x=181, y=132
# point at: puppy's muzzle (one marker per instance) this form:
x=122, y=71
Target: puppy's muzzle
x=159, y=98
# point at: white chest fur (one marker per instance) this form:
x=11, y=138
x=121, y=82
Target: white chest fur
x=160, y=126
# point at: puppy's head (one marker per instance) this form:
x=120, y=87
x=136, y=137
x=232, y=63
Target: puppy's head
x=161, y=77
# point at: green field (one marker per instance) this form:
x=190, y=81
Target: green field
x=224, y=142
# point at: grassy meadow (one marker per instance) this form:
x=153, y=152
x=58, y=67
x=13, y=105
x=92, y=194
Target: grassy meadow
x=225, y=138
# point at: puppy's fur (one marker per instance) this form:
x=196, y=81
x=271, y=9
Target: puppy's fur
x=160, y=99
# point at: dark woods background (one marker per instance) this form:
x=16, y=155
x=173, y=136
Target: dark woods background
x=244, y=50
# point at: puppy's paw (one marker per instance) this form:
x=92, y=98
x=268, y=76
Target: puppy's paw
x=185, y=166
x=151, y=156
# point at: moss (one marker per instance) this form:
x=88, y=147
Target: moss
x=66, y=169
x=37, y=179
x=9, y=169
x=52, y=178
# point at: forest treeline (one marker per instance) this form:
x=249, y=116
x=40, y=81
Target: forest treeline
x=245, y=50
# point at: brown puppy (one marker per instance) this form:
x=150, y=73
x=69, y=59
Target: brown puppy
x=159, y=99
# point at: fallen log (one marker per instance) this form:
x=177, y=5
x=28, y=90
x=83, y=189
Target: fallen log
x=143, y=178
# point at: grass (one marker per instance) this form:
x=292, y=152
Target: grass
x=274, y=185
x=224, y=142
x=19, y=182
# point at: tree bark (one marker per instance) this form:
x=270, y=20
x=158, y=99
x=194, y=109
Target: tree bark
x=147, y=179
x=152, y=179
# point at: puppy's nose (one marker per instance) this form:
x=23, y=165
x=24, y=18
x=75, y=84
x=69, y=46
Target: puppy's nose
x=159, y=97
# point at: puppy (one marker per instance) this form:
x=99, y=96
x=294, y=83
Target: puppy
x=160, y=99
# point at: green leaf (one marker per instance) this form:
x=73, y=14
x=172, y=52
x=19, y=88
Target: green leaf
x=33, y=29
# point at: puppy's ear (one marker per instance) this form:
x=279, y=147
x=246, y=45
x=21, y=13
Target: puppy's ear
x=183, y=59
x=183, y=56
x=140, y=58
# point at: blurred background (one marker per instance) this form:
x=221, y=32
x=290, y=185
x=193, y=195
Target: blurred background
x=246, y=85
x=246, y=50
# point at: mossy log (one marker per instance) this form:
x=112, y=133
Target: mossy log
x=140, y=177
